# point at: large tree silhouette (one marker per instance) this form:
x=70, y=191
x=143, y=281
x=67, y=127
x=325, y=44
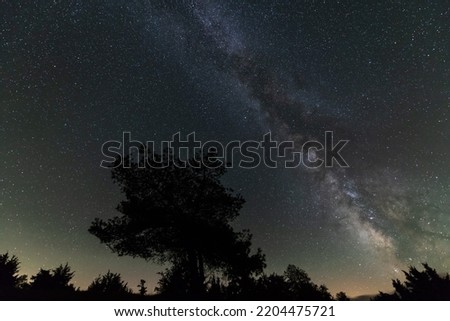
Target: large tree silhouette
x=180, y=214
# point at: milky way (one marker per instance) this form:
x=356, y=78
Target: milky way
x=370, y=206
x=75, y=75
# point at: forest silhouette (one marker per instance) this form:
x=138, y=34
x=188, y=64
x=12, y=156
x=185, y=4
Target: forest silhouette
x=181, y=216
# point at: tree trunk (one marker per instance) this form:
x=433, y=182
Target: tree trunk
x=196, y=271
x=201, y=269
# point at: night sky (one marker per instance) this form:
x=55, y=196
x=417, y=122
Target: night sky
x=75, y=74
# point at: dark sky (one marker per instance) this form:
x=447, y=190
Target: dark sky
x=75, y=74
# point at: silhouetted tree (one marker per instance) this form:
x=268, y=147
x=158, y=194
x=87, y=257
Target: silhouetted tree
x=53, y=283
x=420, y=285
x=243, y=267
x=178, y=214
x=174, y=282
x=273, y=287
x=109, y=285
x=342, y=296
x=142, y=288
x=10, y=280
x=301, y=286
x=294, y=284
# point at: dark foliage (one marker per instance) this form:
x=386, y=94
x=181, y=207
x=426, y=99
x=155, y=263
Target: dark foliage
x=174, y=283
x=109, y=285
x=10, y=279
x=179, y=215
x=294, y=284
x=142, y=288
x=419, y=285
x=52, y=284
x=342, y=296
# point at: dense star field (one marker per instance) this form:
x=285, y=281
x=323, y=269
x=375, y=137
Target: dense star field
x=75, y=74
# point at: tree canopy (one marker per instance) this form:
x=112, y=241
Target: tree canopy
x=294, y=284
x=179, y=214
x=109, y=285
x=419, y=285
x=10, y=279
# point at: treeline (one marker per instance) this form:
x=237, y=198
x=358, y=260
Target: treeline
x=55, y=284
x=293, y=284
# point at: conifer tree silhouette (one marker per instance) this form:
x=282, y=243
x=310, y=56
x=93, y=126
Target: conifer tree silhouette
x=54, y=284
x=419, y=285
x=179, y=214
x=10, y=279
